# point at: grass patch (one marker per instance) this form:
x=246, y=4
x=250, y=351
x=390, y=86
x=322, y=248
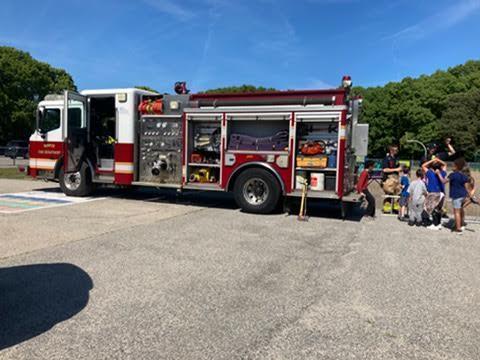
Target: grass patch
x=11, y=173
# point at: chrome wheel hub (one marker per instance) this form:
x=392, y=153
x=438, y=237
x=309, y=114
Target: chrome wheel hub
x=72, y=180
x=256, y=191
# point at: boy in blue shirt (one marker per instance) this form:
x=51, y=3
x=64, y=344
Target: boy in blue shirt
x=458, y=192
x=434, y=171
x=404, y=195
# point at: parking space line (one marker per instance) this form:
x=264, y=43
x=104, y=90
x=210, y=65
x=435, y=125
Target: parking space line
x=36, y=200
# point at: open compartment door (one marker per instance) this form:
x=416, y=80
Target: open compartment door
x=74, y=130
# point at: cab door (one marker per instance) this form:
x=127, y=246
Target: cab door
x=75, y=130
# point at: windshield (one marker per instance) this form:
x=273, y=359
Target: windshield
x=49, y=119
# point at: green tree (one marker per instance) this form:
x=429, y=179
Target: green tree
x=461, y=120
x=238, y=89
x=416, y=108
x=142, y=87
x=23, y=82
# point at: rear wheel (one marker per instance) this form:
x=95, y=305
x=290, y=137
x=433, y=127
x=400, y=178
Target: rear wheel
x=78, y=183
x=257, y=191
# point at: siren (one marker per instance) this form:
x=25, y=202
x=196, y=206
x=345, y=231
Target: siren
x=181, y=88
x=347, y=81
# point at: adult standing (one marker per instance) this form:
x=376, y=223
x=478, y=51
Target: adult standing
x=390, y=164
x=447, y=151
x=391, y=168
x=444, y=152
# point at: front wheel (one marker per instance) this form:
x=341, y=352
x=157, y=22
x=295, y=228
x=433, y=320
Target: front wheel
x=78, y=183
x=257, y=191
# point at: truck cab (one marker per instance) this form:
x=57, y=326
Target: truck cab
x=82, y=138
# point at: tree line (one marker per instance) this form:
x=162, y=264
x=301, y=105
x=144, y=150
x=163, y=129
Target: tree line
x=427, y=108
x=25, y=81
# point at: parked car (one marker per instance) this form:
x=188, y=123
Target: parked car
x=17, y=149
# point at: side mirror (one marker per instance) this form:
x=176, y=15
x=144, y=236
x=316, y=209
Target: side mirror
x=42, y=132
x=39, y=116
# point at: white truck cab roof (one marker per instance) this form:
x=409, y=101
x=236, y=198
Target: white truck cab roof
x=116, y=91
x=57, y=99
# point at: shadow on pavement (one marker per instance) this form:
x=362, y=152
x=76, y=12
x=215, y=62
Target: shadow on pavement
x=34, y=298
x=208, y=199
x=218, y=199
x=328, y=209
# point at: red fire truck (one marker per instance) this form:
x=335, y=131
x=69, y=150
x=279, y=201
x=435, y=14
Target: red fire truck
x=261, y=146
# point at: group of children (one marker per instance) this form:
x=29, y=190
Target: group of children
x=423, y=198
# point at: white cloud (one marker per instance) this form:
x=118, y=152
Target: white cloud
x=440, y=21
x=171, y=7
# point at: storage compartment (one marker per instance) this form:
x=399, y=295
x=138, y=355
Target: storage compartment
x=205, y=138
x=204, y=175
x=317, y=181
x=246, y=134
x=316, y=154
x=318, y=141
x=204, y=141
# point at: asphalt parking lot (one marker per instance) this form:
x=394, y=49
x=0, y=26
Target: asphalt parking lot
x=144, y=275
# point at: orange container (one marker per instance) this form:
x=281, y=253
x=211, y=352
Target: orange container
x=312, y=161
x=149, y=107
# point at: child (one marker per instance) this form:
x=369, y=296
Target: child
x=417, y=190
x=405, y=183
x=458, y=193
x=434, y=171
x=362, y=188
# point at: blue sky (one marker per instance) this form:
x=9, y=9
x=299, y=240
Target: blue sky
x=211, y=43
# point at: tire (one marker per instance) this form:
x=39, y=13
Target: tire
x=257, y=191
x=79, y=183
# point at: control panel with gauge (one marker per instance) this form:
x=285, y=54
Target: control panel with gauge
x=160, y=149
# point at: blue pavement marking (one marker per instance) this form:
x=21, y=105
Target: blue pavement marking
x=18, y=204
x=35, y=200
x=32, y=198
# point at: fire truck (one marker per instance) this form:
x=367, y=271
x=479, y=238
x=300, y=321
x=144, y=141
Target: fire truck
x=263, y=147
